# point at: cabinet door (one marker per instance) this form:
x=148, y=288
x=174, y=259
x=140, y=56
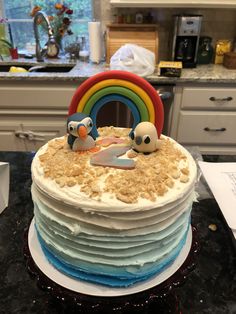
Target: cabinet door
x=41, y=131
x=207, y=128
x=9, y=141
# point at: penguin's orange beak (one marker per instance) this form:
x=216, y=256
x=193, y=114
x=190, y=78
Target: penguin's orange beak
x=82, y=132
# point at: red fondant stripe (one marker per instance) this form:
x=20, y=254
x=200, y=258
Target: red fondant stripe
x=124, y=75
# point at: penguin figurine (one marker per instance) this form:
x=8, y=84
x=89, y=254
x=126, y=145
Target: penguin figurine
x=144, y=138
x=79, y=127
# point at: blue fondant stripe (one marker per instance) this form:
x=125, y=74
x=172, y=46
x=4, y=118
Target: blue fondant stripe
x=115, y=97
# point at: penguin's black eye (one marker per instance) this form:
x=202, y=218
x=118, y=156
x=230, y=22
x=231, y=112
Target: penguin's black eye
x=146, y=139
x=90, y=124
x=132, y=135
x=70, y=127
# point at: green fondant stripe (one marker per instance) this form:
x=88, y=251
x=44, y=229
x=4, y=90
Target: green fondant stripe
x=144, y=115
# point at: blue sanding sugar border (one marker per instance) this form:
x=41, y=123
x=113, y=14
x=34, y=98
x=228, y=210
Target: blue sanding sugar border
x=111, y=280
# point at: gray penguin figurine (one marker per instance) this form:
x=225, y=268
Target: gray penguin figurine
x=79, y=127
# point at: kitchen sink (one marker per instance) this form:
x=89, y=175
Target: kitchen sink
x=38, y=68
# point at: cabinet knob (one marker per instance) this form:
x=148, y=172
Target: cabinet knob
x=214, y=130
x=221, y=99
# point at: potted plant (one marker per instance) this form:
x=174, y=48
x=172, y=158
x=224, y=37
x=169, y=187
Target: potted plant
x=60, y=21
x=13, y=50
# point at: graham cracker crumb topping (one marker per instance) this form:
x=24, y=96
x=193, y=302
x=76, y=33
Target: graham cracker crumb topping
x=151, y=178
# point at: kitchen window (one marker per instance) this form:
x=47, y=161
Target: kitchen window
x=20, y=22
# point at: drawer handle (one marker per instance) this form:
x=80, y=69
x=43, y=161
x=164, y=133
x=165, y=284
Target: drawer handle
x=221, y=99
x=30, y=135
x=33, y=136
x=214, y=130
x=20, y=134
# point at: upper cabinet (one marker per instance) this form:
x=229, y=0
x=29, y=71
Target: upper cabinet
x=175, y=3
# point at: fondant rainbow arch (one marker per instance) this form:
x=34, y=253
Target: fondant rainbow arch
x=130, y=89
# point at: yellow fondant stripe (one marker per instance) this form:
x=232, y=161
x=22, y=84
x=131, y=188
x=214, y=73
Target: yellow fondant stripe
x=116, y=82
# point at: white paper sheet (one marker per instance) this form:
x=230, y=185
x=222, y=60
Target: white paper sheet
x=4, y=185
x=221, y=178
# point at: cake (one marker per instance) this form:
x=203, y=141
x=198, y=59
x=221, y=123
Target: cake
x=112, y=226
x=112, y=206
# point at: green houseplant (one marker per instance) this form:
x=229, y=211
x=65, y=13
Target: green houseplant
x=12, y=50
x=6, y=43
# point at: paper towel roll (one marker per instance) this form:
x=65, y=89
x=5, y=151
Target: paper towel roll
x=95, y=41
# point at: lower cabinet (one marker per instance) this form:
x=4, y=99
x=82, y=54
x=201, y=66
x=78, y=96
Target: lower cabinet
x=31, y=113
x=23, y=135
x=205, y=117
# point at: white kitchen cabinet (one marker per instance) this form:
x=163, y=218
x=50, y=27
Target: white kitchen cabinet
x=8, y=140
x=27, y=132
x=205, y=116
x=31, y=113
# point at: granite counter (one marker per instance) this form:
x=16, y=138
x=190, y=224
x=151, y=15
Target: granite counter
x=210, y=288
x=202, y=74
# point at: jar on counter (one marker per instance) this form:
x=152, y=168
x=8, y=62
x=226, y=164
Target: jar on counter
x=205, y=50
x=222, y=46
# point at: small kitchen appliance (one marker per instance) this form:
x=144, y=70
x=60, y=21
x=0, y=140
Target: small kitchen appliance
x=186, y=39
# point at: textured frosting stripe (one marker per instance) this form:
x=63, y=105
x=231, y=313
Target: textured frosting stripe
x=76, y=217
x=75, y=226
x=106, y=255
x=90, y=247
x=108, y=265
x=103, y=279
x=118, y=240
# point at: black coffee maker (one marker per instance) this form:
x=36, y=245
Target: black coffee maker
x=186, y=39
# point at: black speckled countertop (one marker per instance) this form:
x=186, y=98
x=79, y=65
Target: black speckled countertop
x=210, y=288
x=202, y=74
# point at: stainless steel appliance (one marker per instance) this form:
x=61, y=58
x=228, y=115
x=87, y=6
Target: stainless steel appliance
x=118, y=114
x=186, y=39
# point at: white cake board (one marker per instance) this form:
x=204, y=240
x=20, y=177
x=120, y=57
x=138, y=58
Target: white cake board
x=95, y=289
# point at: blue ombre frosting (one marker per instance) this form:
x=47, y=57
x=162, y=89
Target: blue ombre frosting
x=113, y=280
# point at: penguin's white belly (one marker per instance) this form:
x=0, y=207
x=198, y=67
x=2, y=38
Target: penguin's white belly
x=83, y=144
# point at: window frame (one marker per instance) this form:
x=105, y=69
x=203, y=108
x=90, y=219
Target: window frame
x=30, y=19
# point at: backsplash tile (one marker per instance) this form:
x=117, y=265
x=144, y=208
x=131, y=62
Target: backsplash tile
x=216, y=23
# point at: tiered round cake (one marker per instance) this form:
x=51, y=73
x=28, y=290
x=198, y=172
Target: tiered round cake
x=112, y=226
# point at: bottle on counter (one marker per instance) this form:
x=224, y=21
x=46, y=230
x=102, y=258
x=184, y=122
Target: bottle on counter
x=120, y=19
x=222, y=46
x=205, y=50
x=139, y=18
x=84, y=52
